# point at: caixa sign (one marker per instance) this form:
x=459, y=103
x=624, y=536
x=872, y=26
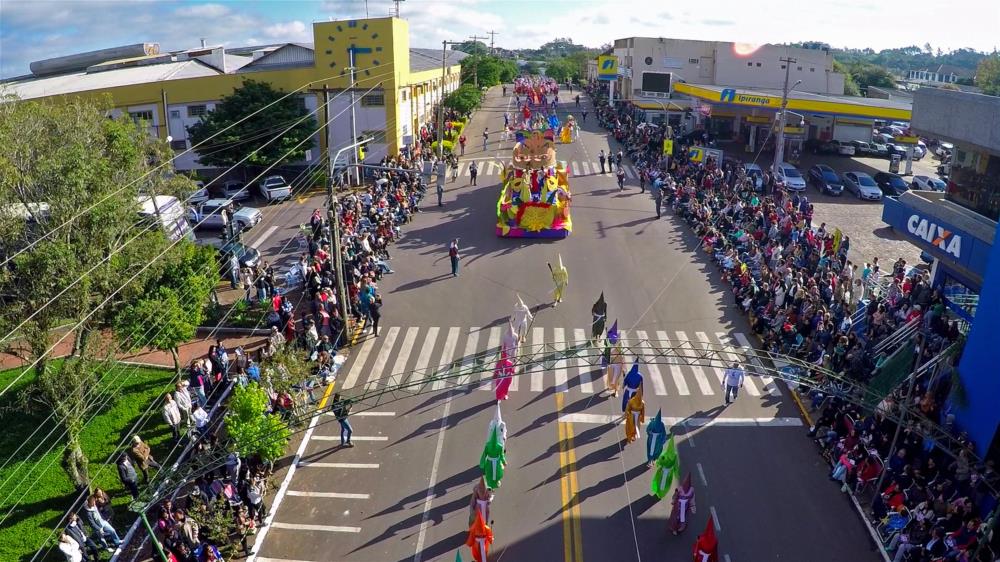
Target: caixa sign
x=936, y=235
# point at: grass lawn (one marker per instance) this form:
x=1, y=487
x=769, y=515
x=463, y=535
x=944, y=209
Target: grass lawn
x=43, y=495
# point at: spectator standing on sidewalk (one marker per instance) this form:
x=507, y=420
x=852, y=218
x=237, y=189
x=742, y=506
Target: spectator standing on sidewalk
x=183, y=399
x=453, y=255
x=172, y=415
x=473, y=172
x=341, y=409
x=128, y=476
x=143, y=457
x=602, y=158
x=70, y=548
x=75, y=531
x=102, y=529
x=734, y=381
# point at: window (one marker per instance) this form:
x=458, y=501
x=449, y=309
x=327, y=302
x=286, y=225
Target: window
x=749, y=63
x=692, y=61
x=175, y=114
x=782, y=67
x=758, y=65
x=800, y=68
x=197, y=110
x=373, y=99
x=179, y=145
x=138, y=116
x=301, y=104
x=812, y=69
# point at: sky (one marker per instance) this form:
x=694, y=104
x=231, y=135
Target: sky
x=37, y=29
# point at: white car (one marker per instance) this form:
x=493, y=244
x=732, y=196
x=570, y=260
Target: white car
x=862, y=185
x=208, y=215
x=844, y=148
x=235, y=190
x=200, y=194
x=789, y=177
x=928, y=183
x=274, y=188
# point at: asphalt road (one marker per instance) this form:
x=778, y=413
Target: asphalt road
x=572, y=490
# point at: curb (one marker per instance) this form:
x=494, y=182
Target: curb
x=233, y=331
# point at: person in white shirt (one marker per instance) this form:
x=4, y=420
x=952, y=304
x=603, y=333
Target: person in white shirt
x=733, y=381
x=172, y=415
x=70, y=548
x=201, y=419
x=183, y=399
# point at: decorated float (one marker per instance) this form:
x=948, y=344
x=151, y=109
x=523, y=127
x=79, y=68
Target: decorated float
x=535, y=196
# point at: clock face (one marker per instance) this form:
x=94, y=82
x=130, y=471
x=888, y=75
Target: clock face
x=354, y=37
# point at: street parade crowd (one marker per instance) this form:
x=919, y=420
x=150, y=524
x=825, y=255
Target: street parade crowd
x=805, y=298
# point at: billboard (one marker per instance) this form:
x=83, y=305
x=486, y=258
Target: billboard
x=656, y=82
x=607, y=67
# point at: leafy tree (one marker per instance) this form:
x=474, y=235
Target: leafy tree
x=850, y=86
x=988, y=75
x=463, y=100
x=251, y=429
x=871, y=75
x=508, y=70
x=234, y=144
x=471, y=47
x=531, y=67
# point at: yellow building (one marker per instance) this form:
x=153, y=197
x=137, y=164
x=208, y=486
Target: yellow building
x=396, y=86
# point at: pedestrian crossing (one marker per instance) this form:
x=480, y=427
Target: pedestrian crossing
x=415, y=356
x=576, y=168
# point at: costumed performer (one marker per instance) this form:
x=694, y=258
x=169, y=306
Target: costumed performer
x=510, y=339
x=522, y=318
x=614, y=359
x=493, y=461
x=503, y=374
x=482, y=498
x=480, y=538
x=656, y=434
x=632, y=383
x=706, y=548
x=667, y=464
x=560, y=276
x=599, y=313
x=682, y=506
x=635, y=414
x=501, y=427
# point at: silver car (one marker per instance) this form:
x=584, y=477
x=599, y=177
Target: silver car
x=788, y=176
x=862, y=185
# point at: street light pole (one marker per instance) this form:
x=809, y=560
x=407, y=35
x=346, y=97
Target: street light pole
x=440, y=127
x=779, y=147
x=354, y=127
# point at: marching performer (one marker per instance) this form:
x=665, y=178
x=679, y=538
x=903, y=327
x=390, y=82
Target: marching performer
x=522, y=318
x=706, y=548
x=682, y=506
x=560, y=276
x=667, y=464
x=635, y=414
x=480, y=538
x=508, y=344
x=493, y=461
x=614, y=360
x=599, y=312
x=503, y=374
x=482, y=498
x=500, y=426
x=632, y=383
x=656, y=437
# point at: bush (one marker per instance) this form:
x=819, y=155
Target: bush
x=449, y=146
x=254, y=432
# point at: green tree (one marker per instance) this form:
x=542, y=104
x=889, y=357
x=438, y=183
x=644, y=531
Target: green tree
x=531, y=67
x=988, y=75
x=850, y=86
x=471, y=47
x=251, y=430
x=463, y=100
x=244, y=138
x=866, y=75
x=508, y=70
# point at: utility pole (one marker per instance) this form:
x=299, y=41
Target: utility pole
x=491, y=34
x=779, y=147
x=475, y=63
x=440, y=120
x=354, y=129
x=397, y=3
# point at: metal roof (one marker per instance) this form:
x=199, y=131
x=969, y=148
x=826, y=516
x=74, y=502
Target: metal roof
x=430, y=59
x=83, y=82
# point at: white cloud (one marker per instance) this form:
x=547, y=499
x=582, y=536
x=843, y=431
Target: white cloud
x=290, y=31
x=203, y=11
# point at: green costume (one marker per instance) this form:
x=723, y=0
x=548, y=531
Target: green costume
x=493, y=461
x=667, y=464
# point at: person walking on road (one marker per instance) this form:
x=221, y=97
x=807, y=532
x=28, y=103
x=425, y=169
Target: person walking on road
x=453, y=255
x=618, y=159
x=375, y=311
x=656, y=189
x=584, y=113
x=733, y=381
x=486, y=138
x=473, y=172
x=442, y=170
x=341, y=409
x=578, y=100
x=602, y=158
x=621, y=178
x=643, y=177
x=454, y=169
x=461, y=143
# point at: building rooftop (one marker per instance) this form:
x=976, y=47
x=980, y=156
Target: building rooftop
x=804, y=101
x=430, y=59
x=83, y=81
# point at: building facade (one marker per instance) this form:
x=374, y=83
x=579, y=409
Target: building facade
x=396, y=87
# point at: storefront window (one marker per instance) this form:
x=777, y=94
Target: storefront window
x=720, y=127
x=975, y=182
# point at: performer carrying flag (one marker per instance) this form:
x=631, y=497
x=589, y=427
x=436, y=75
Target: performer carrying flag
x=480, y=538
x=633, y=383
x=667, y=464
x=560, y=276
x=493, y=461
x=503, y=374
x=657, y=436
x=682, y=505
x=635, y=414
x=498, y=424
x=706, y=548
x=599, y=312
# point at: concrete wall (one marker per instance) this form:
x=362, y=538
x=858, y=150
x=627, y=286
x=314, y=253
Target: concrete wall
x=958, y=117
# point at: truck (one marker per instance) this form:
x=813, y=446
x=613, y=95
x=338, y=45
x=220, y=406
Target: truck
x=168, y=212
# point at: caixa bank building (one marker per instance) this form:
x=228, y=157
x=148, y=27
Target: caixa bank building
x=955, y=229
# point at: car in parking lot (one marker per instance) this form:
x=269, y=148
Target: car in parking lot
x=826, y=179
x=274, y=188
x=862, y=148
x=843, y=148
x=891, y=184
x=879, y=149
x=928, y=183
x=200, y=194
x=209, y=215
x=249, y=257
x=234, y=190
x=862, y=185
x=789, y=177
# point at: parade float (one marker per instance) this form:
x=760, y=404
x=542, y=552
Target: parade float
x=535, y=196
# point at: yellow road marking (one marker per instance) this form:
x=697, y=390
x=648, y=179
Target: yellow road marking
x=574, y=487
x=802, y=407
x=570, y=489
x=326, y=395
x=564, y=489
x=357, y=331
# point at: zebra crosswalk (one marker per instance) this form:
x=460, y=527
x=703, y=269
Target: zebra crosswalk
x=409, y=355
x=576, y=168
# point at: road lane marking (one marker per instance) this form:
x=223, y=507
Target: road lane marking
x=727, y=342
x=570, y=488
x=537, y=340
x=305, y=527
x=429, y=500
x=580, y=417
x=447, y=354
x=471, y=343
x=654, y=372
x=675, y=371
x=263, y=237
x=492, y=346
x=715, y=519
x=564, y=493
x=699, y=374
x=701, y=473
x=424, y=358
x=768, y=381
x=283, y=488
x=383, y=357
x=583, y=368
x=703, y=338
x=359, y=465
x=405, y=349
x=332, y=495
x=353, y=437
x=575, y=168
x=371, y=413
x=359, y=363
x=586, y=168
x=562, y=375
x=266, y=559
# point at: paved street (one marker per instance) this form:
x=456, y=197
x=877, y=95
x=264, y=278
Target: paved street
x=572, y=490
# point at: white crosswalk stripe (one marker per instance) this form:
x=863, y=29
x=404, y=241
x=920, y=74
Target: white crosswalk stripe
x=575, y=168
x=412, y=354
x=585, y=166
x=629, y=172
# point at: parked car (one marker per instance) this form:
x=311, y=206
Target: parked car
x=928, y=183
x=843, y=148
x=755, y=174
x=249, y=257
x=234, y=190
x=879, y=149
x=789, y=177
x=862, y=185
x=826, y=179
x=817, y=146
x=200, y=194
x=208, y=215
x=862, y=148
x=943, y=148
x=274, y=188
x=891, y=184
